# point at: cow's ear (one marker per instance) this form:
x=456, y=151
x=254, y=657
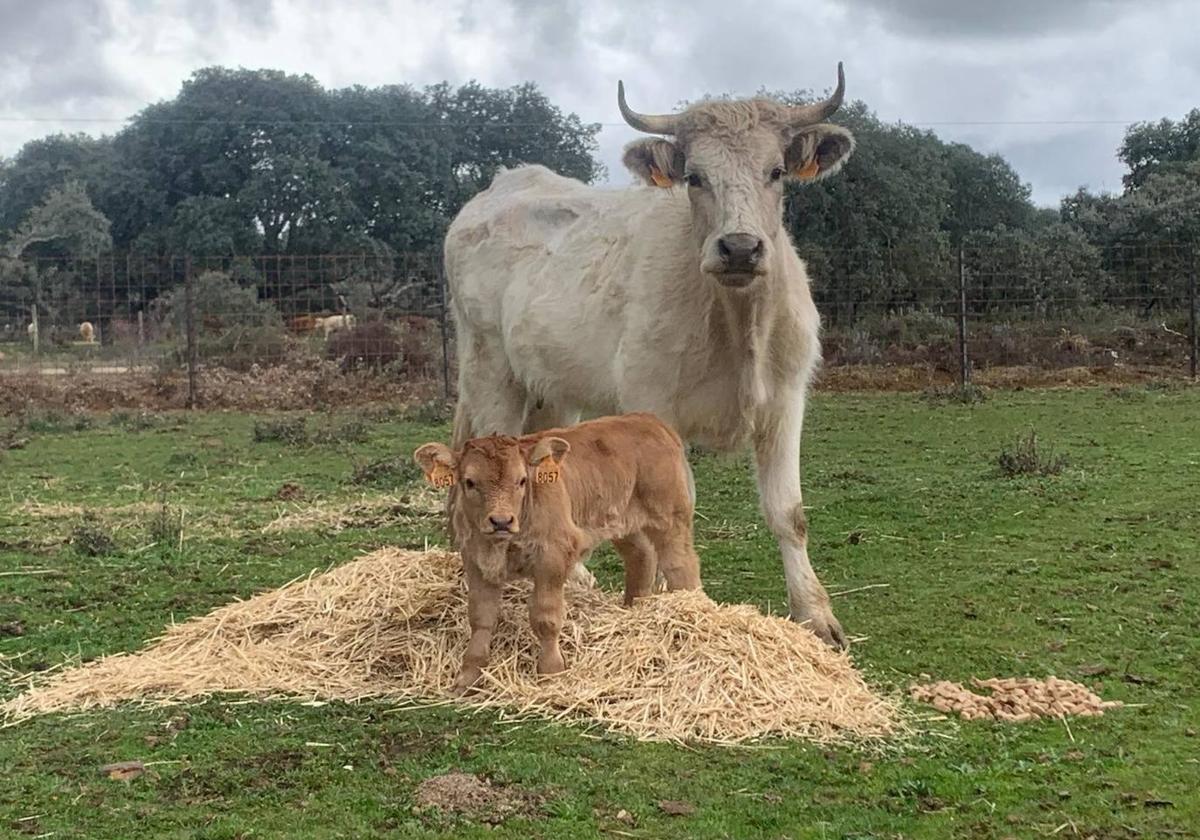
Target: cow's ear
x=437, y=461
x=818, y=151
x=656, y=161
x=554, y=448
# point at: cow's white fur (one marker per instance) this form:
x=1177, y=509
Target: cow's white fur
x=573, y=300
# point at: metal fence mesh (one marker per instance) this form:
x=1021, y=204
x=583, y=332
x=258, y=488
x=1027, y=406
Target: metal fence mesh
x=948, y=310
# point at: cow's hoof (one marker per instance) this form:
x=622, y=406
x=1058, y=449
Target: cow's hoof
x=827, y=628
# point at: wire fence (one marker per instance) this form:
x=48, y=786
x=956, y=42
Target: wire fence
x=954, y=311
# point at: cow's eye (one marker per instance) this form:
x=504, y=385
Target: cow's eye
x=521, y=481
x=469, y=484
x=694, y=180
x=776, y=173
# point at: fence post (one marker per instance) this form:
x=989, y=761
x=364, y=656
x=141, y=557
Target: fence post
x=445, y=325
x=1192, y=315
x=189, y=298
x=964, y=363
x=34, y=321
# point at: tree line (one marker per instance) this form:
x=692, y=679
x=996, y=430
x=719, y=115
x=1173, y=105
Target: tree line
x=247, y=162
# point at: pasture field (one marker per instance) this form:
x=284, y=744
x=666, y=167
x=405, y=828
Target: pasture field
x=112, y=526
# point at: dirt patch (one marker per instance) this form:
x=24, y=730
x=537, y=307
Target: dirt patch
x=467, y=795
x=289, y=388
x=278, y=387
x=289, y=491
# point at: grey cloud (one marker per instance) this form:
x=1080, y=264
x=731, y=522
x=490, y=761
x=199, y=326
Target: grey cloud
x=991, y=20
x=52, y=55
x=1028, y=67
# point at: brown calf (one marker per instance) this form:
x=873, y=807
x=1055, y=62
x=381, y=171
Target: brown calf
x=533, y=506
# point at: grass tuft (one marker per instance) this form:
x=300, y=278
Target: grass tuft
x=89, y=537
x=1026, y=456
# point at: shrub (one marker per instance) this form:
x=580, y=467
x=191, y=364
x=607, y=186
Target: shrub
x=345, y=431
x=290, y=430
x=1027, y=457
x=53, y=420
x=372, y=345
x=388, y=472
x=430, y=413
x=968, y=394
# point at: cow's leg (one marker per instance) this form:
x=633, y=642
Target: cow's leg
x=483, y=611
x=637, y=553
x=677, y=560
x=546, y=609
x=777, y=457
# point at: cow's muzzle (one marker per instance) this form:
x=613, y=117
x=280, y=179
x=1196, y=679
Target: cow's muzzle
x=740, y=258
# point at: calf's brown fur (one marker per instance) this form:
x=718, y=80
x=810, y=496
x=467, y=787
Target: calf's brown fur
x=533, y=506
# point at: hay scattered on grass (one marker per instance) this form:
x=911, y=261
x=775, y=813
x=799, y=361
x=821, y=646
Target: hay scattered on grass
x=393, y=625
x=368, y=512
x=1014, y=700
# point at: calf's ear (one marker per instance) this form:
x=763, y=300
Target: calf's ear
x=437, y=461
x=554, y=448
x=818, y=151
x=656, y=161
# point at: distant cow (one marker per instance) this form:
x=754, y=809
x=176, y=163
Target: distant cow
x=303, y=324
x=87, y=333
x=532, y=506
x=333, y=323
x=32, y=330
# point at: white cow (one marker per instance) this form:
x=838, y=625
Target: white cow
x=685, y=299
x=333, y=323
x=87, y=332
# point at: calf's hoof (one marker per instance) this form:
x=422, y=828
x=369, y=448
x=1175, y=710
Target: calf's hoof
x=580, y=575
x=822, y=622
x=551, y=663
x=467, y=677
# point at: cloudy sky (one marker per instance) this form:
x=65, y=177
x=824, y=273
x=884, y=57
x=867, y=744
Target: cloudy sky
x=1047, y=83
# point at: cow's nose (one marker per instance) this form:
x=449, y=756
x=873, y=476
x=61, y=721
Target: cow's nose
x=740, y=250
x=501, y=523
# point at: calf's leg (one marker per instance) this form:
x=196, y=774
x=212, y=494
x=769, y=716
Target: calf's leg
x=677, y=560
x=546, y=609
x=637, y=553
x=483, y=611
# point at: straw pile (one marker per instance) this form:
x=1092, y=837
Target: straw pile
x=393, y=625
x=1014, y=699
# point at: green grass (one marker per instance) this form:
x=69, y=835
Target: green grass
x=988, y=576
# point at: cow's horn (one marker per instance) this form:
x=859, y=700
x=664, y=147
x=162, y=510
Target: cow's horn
x=803, y=115
x=649, y=123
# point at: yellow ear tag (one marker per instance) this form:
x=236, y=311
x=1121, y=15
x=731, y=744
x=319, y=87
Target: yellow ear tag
x=809, y=170
x=658, y=178
x=547, y=472
x=442, y=476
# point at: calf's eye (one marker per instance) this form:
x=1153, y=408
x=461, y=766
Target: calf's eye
x=776, y=173
x=469, y=484
x=693, y=179
x=521, y=481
